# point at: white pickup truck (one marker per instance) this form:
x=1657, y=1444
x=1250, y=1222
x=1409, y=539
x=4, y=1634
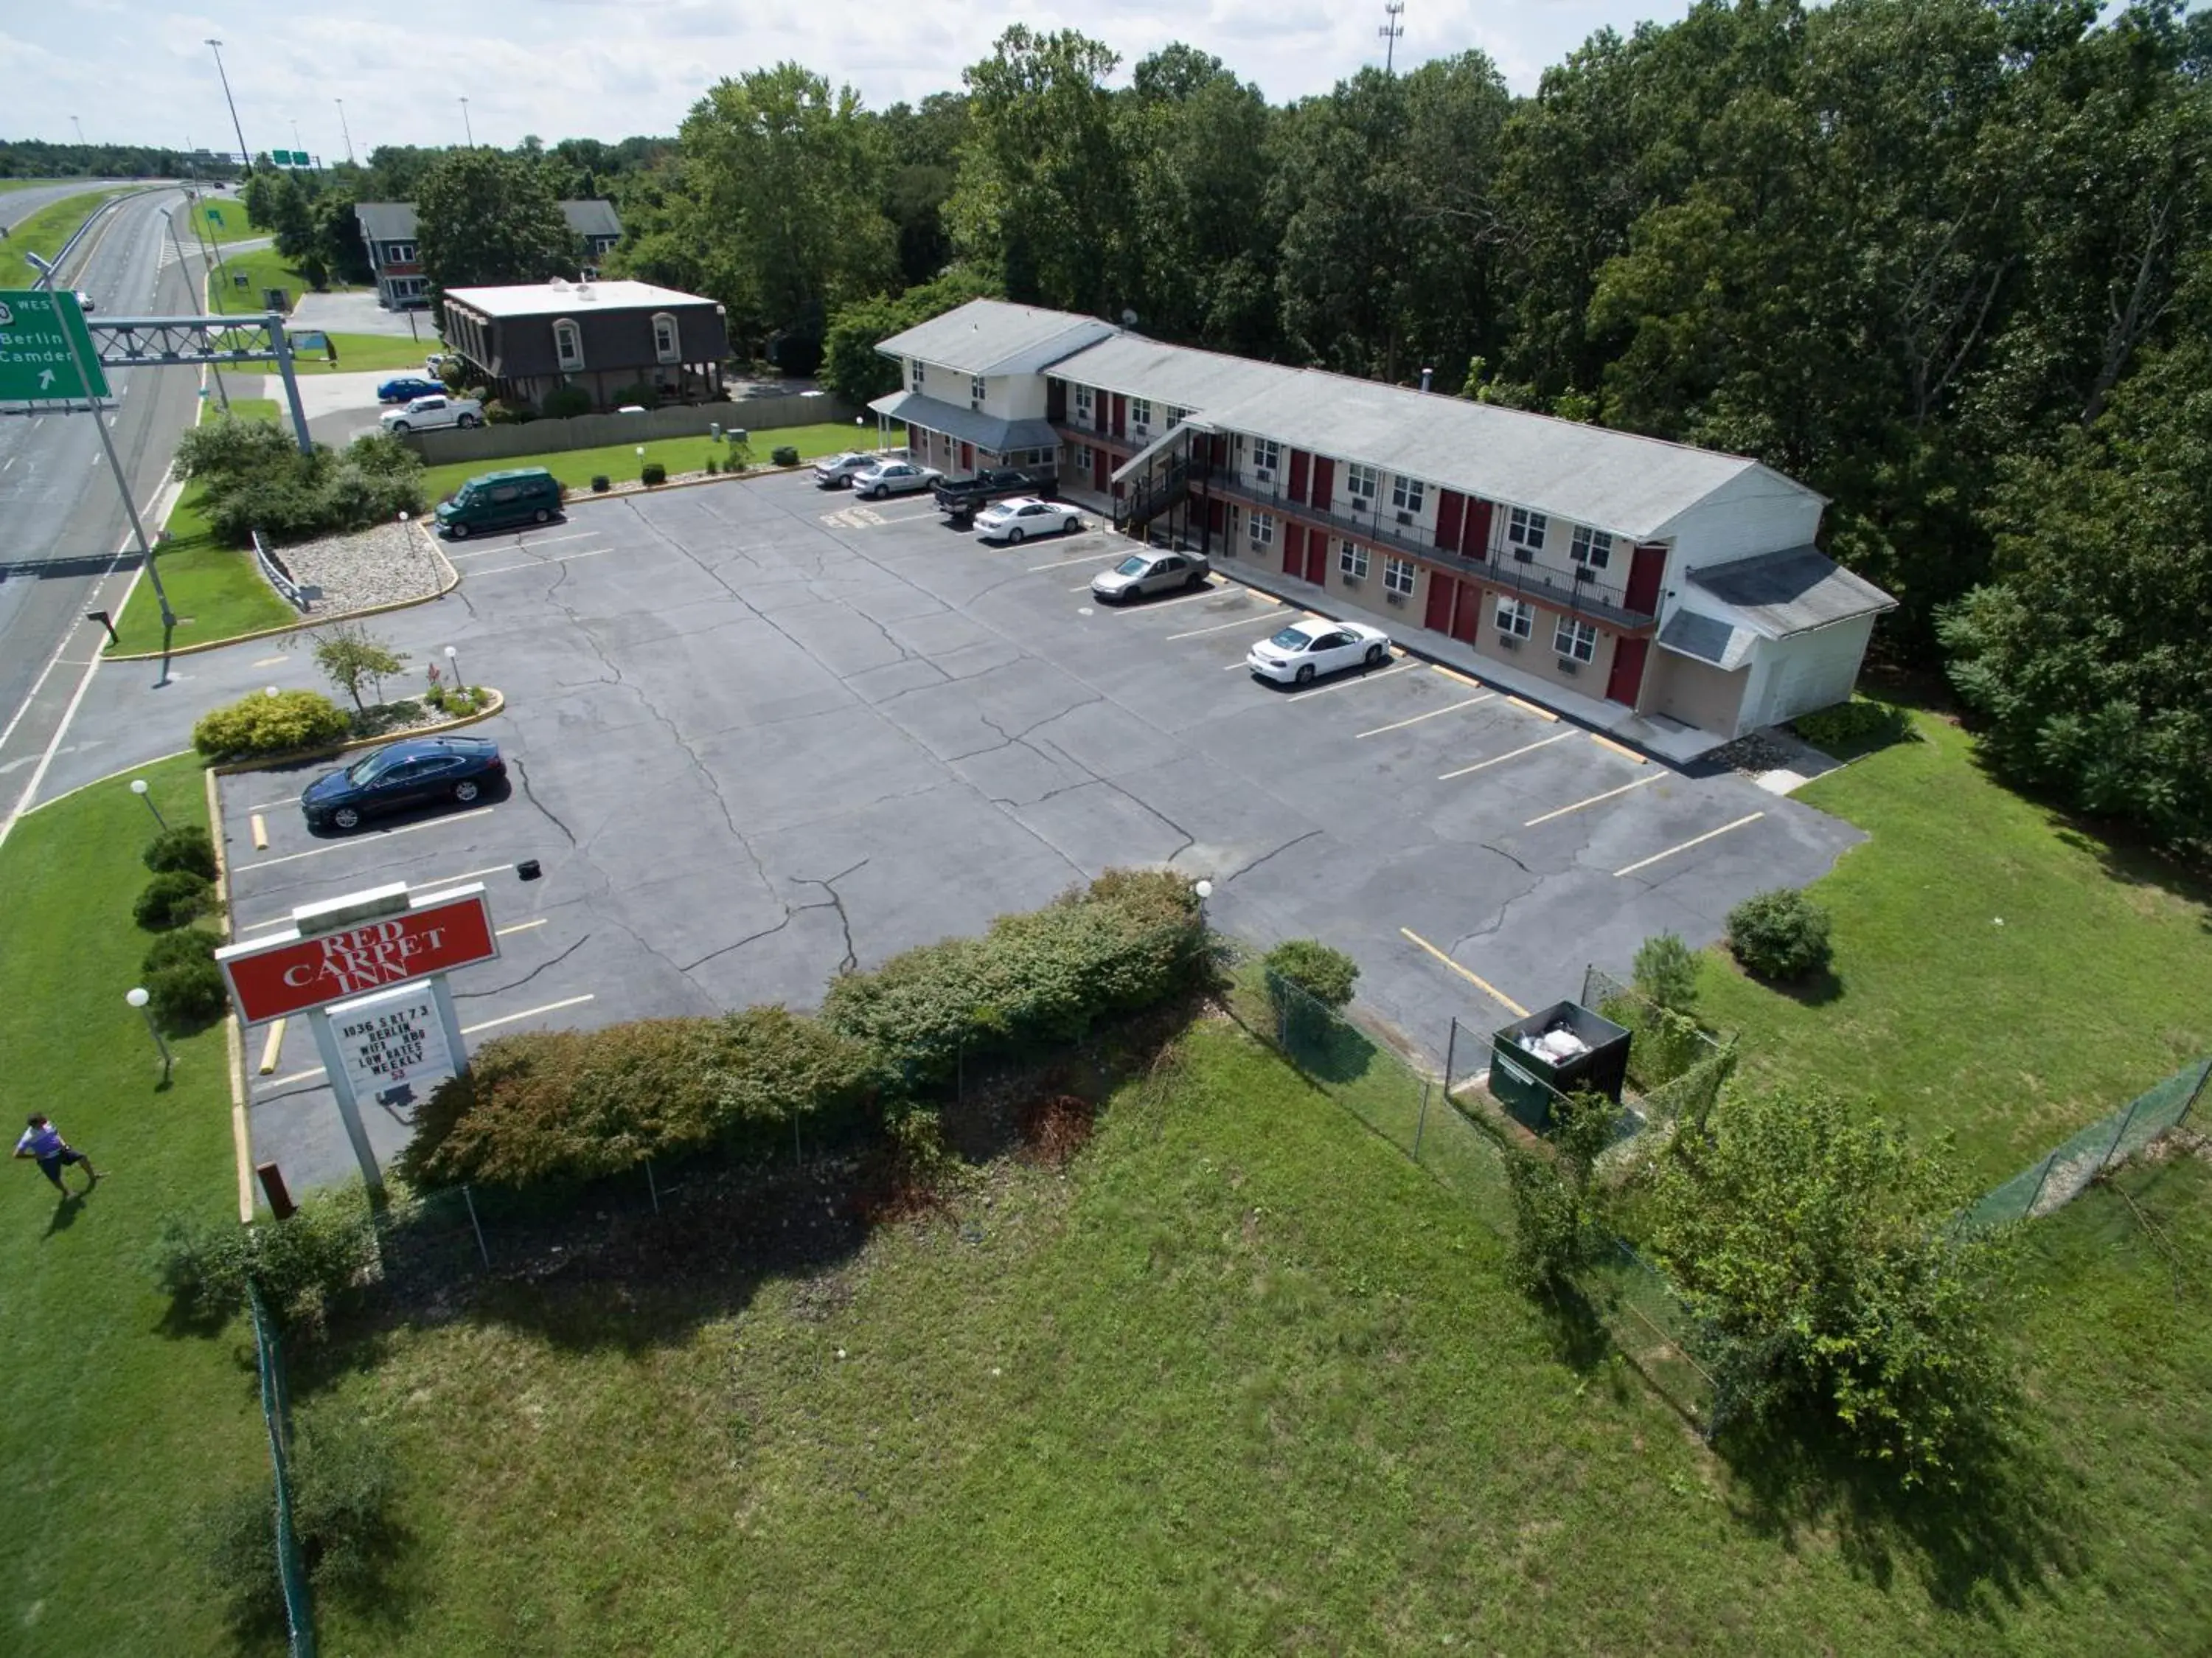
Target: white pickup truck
x=428, y=414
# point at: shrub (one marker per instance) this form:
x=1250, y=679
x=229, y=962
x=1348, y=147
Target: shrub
x=180, y=949
x=1854, y=724
x=1325, y=974
x=261, y=724
x=501, y=412
x=1558, y=1209
x=172, y=898
x=654, y=473
x=351, y=656
x=253, y=476
x=565, y=403
x=1667, y=972
x=304, y=1267
x=187, y=846
x=1781, y=935
x=601, y=484
x=784, y=455
x=643, y=393
x=187, y=997
x=713, y=465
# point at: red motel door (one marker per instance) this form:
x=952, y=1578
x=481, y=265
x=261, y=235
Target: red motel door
x=1317, y=557
x=1466, y=615
x=966, y=457
x=1324, y=480
x=1294, y=549
x=1627, y=678
x=1101, y=472
x=1440, y=615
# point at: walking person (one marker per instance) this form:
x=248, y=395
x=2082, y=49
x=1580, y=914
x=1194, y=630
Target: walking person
x=44, y=1142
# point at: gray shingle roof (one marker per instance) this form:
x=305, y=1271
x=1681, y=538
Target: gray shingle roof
x=990, y=337
x=592, y=218
x=967, y=425
x=395, y=220
x=1707, y=638
x=1789, y=592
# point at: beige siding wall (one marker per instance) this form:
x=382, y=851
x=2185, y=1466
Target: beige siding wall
x=1697, y=694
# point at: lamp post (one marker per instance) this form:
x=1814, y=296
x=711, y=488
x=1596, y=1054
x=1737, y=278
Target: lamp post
x=138, y=998
x=1202, y=891
x=348, y=130
x=138, y=788
x=79, y=126
x=244, y=155
x=454, y=666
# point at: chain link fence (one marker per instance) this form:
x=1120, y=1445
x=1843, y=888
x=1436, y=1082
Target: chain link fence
x=2057, y=1179
x=276, y=1414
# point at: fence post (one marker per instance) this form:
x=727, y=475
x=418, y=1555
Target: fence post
x=2039, y=1179
x=477, y=1226
x=2119, y=1134
x=2197, y=1092
x=1451, y=1052
x=651, y=1186
x=1282, y=1016
x=1421, y=1125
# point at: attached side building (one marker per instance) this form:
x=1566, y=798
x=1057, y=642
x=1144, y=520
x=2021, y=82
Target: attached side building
x=605, y=337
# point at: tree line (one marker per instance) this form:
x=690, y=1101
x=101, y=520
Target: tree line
x=34, y=158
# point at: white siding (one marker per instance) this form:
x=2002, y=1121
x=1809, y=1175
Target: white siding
x=1757, y=512
x=1806, y=671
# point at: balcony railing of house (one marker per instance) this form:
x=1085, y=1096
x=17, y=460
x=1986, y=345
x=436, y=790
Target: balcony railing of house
x=1582, y=594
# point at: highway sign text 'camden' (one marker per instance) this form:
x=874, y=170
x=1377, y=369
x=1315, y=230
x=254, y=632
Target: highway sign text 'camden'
x=36, y=330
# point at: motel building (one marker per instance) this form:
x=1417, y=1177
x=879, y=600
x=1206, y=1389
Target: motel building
x=1670, y=594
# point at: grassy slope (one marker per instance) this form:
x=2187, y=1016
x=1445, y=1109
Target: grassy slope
x=1245, y=1380
x=113, y=1429
x=262, y=267
x=46, y=231
x=2097, y=984
x=621, y=461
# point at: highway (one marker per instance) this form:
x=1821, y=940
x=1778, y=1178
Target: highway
x=63, y=527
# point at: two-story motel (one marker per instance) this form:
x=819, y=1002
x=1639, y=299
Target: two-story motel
x=1562, y=553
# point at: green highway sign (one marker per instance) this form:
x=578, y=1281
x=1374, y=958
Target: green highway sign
x=36, y=330
x=215, y=215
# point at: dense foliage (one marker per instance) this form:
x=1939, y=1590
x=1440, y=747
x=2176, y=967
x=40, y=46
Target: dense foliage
x=1781, y=935
x=1558, y=1210
x=1816, y=1249
x=304, y=1267
x=35, y=158
x=1667, y=972
x=187, y=846
x=1322, y=971
x=260, y=724
x=253, y=477
x=484, y=217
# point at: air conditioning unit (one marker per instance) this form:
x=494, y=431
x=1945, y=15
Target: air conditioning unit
x=1523, y=556
x=1584, y=573
x=1508, y=640
x=975, y=403
x=1398, y=598
x=1569, y=665
x=1351, y=581
x=1262, y=475
x=1405, y=518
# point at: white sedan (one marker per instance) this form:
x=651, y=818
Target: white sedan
x=893, y=477
x=1303, y=651
x=1018, y=517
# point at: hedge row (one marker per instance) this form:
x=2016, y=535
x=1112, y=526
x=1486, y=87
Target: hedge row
x=561, y=1107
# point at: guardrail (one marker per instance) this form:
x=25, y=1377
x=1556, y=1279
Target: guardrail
x=62, y=256
x=278, y=574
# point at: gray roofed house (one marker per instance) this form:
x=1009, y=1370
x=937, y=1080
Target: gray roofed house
x=990, y=337
x=388, y=229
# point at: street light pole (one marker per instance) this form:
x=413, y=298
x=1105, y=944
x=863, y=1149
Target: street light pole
x=465, y=127
x=348, y=130
x=138, y=998
x=79, y=126
x=138, y=787
x=244, y=155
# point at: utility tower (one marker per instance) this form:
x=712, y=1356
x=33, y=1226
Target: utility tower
x=1391, y=31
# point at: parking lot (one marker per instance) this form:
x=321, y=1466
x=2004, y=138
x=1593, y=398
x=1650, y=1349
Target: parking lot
x=758, y=734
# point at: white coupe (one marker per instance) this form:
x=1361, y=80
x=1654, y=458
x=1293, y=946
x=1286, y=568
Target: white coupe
x=1303, y=651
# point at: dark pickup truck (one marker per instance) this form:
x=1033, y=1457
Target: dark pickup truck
x=962, y=498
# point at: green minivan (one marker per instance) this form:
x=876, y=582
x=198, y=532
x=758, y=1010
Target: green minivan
x=499, y=500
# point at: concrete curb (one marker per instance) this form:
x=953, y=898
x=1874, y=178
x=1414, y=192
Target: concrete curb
x=271, y=762
x=747, y=476
x=233, y=1040
x=121, y=771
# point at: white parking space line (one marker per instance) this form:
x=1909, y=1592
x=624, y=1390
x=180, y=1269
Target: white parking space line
x=1695, y=840
x=1609, y=794
x=313, y=1071
x=1062, y=563
x=540, y=563
x=510, y=549
x=272, y=661
x=1224, y=627
x=1510, y=754
x=1146, y=607
x=271, y=805
x=1451, y=708
x=1346, y=684
x=548, y=540
x=285, y=920
x=357, y=840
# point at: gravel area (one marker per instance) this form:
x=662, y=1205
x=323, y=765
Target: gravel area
x=387, y=565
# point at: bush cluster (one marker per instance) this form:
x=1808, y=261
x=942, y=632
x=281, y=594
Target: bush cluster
x=303, y=1267
x=187, y=846
x=784, y=455
x=501, y=412
x=654, y=473
x=565, y=403
x=261, y=724
x=253, y=477
x=1781, y=935
x=601, y=484
x=1854, y=724
x=184, y=985
x=172, y=898
x=1325, y=974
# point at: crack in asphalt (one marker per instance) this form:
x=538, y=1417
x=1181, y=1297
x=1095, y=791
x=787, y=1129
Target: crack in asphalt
x=502, y=990
x=1264, y=857
x=1492, y=846
x=829, y=884
x=531, y=795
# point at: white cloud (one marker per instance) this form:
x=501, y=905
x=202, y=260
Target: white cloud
x=587, y=67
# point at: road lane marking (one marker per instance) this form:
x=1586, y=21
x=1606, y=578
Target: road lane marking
x=1479, y=983
x=1399, y=725
x=1062, y=563
x=358, y=840
x=538, y=564
x=1499, y=760
x=1621, y=749
x=1367, y=676
x=1531, y=708
x=313, y=1071
x=1223, y=627
x=285, y=920
x=1608, y=795
x=1698, y=840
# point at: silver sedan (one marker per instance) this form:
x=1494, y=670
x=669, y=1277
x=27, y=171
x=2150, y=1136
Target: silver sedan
x=1144, y=573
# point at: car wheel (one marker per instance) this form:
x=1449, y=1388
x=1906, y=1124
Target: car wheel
x=346, y=818
x=541, y=516
x=466, y=422
x=460, y=532
x=1071, y=525
x=1196, y=579
x=467, y=789
x=1305, y=673
x=1375, y=654
x=1014, y=537
x=396, y=427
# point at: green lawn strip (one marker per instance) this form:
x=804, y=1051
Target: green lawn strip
x=115, y=1429
x=263, y=268
x=358, y=353
x=2097, y=984
x=215, y=590
x=621, y=461
x=47, y=231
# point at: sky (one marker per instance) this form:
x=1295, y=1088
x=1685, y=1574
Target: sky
x=136, y=73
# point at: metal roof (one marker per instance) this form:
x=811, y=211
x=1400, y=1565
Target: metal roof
x=1789, y=592
x=990, y=337
x=1708, y=638
x=562, y=298
x=395, y=220
x=592, y=218
x=966, y=425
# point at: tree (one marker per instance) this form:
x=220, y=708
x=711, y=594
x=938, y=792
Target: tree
x=482, y=217
x=351, y=656
x=1667, y=972
x=853, y=367
x=1558, y=1226
x=924, y=148
x=1816, y=1248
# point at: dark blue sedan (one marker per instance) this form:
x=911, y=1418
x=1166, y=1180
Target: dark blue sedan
x=408, y=388
x=413, y=773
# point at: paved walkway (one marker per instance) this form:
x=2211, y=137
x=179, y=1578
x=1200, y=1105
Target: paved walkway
x=358, y=312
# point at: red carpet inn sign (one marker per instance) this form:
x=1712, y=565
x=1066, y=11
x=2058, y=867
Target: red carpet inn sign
x=369, y=971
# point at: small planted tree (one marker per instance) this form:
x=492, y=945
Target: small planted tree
x=1667, y=972
x=351, y=656
x=1557, y=1227
x=1781, y=935
x=1325, y=974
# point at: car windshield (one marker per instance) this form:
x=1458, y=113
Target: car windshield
x=369, y=769
x=1291, y=638
x=1132, y=565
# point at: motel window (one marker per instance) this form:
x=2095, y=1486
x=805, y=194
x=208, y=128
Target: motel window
x=1176, y=417
x=1405, y=494
x=1140, y=411
x=665, y=346
x=1263, y=529
x=1086, y=403
x=1526, y=529
x=1351, y=560
x=1078, y=457
x=975, y=389
x=1514, y=617
x=568, y=344
x=399, y=252
x=1361, y=483
x=1577, y=640
x=1591, y=547
x=1266, y=455
x=915, y=374
x=1398, y=576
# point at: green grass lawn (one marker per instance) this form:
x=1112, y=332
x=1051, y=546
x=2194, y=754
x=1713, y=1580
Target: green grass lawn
x=2097, y=984
x=621, y=461
x=47, y=231
x=360, y=352
x=235, y=226
x=263, y=268
x=114, y=1428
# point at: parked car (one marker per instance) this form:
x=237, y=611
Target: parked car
x=528, y=495
x=1142, y=573
x=961, y=498
x=893, y=477
x=412, y=772
x=834, y=471
x=408, y=387
x=1025, y=517
x=438, y=363
x=1303, y=651
x=428, y=414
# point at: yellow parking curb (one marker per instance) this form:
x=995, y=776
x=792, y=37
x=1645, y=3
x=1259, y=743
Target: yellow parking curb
x=1621, y=749
x=1544, y=714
